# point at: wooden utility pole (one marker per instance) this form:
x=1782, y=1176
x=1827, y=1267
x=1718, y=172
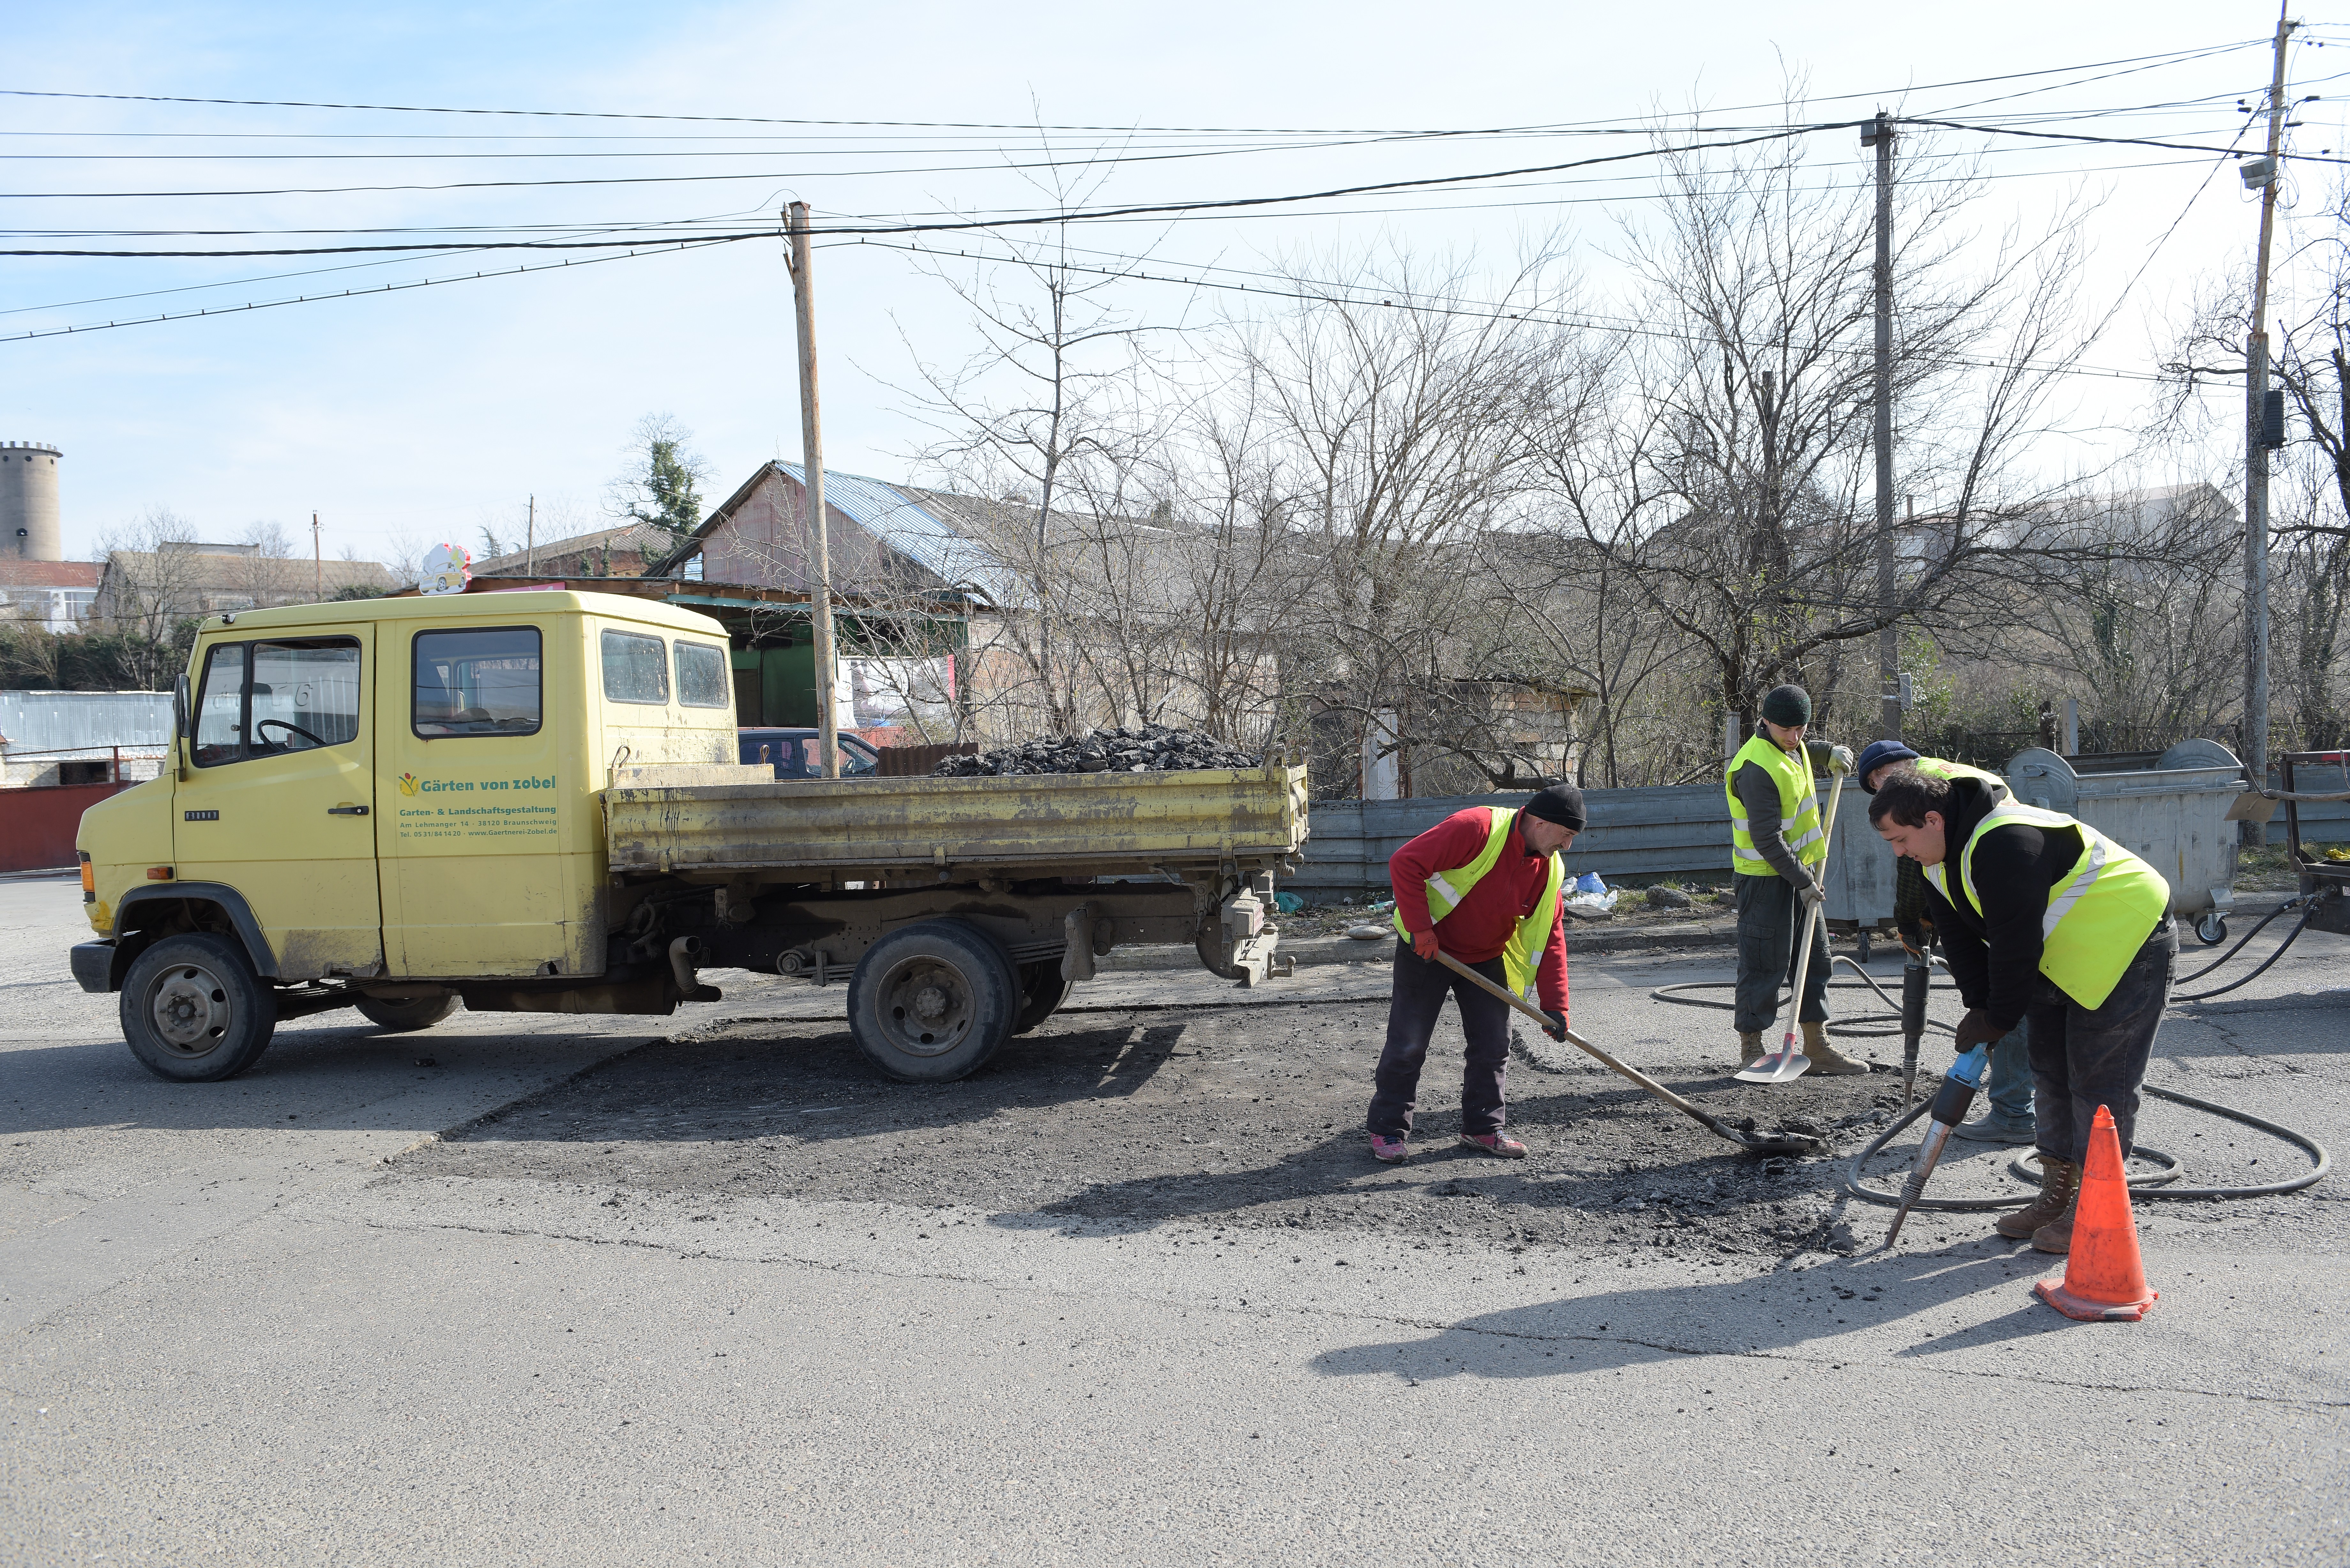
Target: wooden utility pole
x=1879, y=135
x=318, y=562
x=812, y=487
x=530, y=540
x=2256, y=461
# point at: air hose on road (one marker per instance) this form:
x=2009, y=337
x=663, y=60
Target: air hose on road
x=2156, y=1184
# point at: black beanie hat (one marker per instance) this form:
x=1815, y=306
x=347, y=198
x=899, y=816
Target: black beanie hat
x=1787, y=705
x=1562, y=804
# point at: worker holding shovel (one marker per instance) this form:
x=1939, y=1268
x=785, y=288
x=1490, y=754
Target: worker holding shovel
x=1484, y=887
x=2008, y=1119
x=2045, y=920
x=1778, y=846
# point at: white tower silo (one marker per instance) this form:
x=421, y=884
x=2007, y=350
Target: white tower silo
x=30, y=528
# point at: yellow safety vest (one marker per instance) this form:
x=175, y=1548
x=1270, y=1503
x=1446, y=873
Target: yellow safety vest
x=2097, y=917
x=1522, y=956
x=1799, y=807
x=1942, y=768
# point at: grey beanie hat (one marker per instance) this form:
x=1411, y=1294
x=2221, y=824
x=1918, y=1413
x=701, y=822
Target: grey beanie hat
x=1787, y=705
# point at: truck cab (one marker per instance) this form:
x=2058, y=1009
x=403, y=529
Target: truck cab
x=383, y=803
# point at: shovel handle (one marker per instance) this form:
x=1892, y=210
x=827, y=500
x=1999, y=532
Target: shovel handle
x=1815, y=913
x=1580, y=1044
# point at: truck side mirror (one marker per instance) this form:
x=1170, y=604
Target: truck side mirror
x=179, y=707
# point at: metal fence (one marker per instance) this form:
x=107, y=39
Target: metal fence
x=1683, y=831
x=1676, y=830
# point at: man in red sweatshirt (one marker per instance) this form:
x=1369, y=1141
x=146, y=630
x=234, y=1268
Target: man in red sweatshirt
x=1486, y=885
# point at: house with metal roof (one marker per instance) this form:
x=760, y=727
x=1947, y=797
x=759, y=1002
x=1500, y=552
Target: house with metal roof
x=885, y=540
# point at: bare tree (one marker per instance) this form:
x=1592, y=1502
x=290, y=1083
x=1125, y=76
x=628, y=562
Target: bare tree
x=1726, y=489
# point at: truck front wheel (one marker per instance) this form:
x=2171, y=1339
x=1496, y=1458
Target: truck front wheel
x=930, y=1003
x=398, y=1014
x=193, y=1011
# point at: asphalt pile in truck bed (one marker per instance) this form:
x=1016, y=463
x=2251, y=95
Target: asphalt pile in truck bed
x=1143, y=749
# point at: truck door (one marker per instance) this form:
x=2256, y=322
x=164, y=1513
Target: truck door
x=478, y=808
x=277, y=799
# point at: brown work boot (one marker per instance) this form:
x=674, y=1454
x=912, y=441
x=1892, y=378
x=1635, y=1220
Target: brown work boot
x=1750, y=1049
x=1825, y=1058
x=2060, y=1182
x=2057, y=1236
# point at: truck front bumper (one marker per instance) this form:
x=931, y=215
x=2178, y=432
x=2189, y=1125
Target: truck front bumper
x=93, y=966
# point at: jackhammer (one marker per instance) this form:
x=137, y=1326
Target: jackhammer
x=1915, y=977
x=1950, y=1106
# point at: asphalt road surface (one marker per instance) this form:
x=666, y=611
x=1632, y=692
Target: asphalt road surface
x=703, y=1288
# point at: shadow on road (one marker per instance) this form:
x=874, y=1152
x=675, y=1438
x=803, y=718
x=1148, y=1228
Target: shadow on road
x=1612, y=1329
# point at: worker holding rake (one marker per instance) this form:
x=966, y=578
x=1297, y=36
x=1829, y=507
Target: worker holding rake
x=1486, y=886
x=1778, y=846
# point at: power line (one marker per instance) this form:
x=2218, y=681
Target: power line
x=1058, y=217
x=1358, y=294
x=2104, y=140
x=350, y=292
x=2173, y=56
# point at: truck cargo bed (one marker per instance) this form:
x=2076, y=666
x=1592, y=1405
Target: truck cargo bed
x=960, y=828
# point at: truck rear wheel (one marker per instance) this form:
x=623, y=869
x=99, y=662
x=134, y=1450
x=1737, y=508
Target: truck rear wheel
x=193, y=1011
x=930, y=1003
x=1042, y=992
x=398, y=1014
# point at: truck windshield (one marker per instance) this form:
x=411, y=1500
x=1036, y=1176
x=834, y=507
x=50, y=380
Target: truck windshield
x=482, y=680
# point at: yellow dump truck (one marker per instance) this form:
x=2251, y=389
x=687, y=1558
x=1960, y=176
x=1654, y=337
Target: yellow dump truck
x=531, y=802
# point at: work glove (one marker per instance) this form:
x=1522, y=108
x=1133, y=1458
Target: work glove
x=1810, y=896
x=1556, y=1027
x=1977, y=1029
x=1424, y=944
x=1840, y=759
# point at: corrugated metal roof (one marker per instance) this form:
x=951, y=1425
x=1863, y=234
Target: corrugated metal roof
x=59, y=720
x=913, y=531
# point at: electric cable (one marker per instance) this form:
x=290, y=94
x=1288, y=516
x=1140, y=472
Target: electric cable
x=2171, y=58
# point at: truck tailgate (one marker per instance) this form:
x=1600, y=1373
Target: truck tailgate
x=1089, y=823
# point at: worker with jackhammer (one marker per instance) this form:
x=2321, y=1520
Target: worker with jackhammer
x=2044, y=922
x=1486, y=885
x=2008, y=1118
x=1777, y=846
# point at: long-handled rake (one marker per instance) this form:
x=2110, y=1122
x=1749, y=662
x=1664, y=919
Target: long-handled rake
x=1752, y=1143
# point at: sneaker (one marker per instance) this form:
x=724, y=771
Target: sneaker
x=1389, y=1150
x=1996, y=1128
x=1501, y=1146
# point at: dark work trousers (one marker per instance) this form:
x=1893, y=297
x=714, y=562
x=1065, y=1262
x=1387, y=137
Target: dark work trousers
x=2086, y=1057
x=1420, y=987
x=1768, y=914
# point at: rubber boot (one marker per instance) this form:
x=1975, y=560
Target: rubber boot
x=2060, y=1181
x=1750, y=1049
x=1825, y=1059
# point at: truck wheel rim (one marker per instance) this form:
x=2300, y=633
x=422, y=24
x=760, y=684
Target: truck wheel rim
x=927, y=1006
x=190, y=1008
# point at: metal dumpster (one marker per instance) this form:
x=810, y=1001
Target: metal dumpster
x=2170, y=815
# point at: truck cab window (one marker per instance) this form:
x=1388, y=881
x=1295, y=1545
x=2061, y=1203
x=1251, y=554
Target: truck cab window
x=267, y=698
x=635, y=667
x=482, y=680
x=701, y=675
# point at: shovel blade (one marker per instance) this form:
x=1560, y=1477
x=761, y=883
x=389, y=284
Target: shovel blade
x=1788, y=1062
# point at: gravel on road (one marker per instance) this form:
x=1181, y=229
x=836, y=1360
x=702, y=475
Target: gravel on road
x=1242, y=1116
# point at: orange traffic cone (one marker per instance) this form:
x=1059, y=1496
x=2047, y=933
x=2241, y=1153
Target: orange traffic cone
x=2103, y=1279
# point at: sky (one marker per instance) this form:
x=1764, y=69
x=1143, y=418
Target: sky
x=413, y=415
